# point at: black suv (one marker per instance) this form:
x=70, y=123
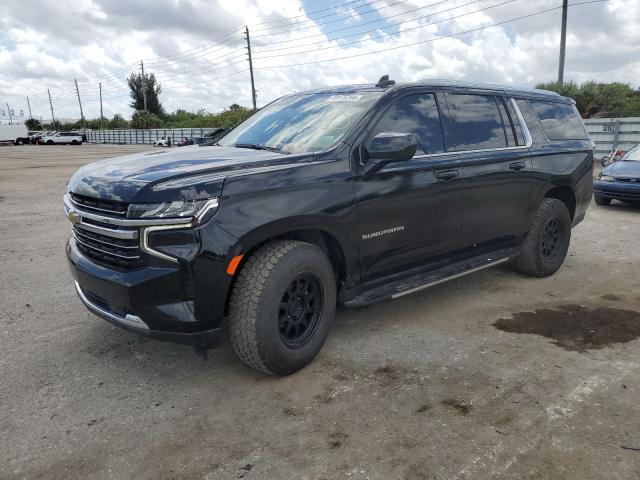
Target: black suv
x=354, y=194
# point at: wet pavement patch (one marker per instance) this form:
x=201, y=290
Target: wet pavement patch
x=611, y=297
x=577, y=328
x=461, y=406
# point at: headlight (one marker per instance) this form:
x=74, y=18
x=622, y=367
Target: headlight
x=201, y=210
x=607, y=178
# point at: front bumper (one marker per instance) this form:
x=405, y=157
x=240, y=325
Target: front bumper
x=617, y=190
x=151, y=301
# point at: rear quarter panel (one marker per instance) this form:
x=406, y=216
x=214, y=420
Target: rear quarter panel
x=563, y=163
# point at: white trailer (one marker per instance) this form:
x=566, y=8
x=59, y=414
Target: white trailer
x=13, y=133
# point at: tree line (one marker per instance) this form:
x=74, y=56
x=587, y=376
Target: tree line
x=593, y=100
x=599, y=100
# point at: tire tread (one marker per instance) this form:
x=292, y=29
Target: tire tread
x=245, y=302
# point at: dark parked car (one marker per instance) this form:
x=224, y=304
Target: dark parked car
x=354, y=194
x=619, y=181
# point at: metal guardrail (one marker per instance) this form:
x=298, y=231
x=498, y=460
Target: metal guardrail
x=609, y=133
x=146, y=136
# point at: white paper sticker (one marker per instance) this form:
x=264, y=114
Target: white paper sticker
x=344, y=98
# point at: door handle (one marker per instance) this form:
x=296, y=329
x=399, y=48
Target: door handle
x=517, y=166
x=447, y=175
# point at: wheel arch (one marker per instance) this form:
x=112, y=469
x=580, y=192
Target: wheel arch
x=564, y=193
x=327, y=237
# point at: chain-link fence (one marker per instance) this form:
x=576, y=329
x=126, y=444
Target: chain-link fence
x=148, y=136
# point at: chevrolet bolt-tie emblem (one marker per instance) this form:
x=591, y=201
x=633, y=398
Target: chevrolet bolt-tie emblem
x=73, y=216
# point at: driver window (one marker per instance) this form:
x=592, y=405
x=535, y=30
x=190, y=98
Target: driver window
x=417, y=114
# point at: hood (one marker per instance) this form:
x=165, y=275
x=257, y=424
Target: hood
x=629, y=169
x=188, y=173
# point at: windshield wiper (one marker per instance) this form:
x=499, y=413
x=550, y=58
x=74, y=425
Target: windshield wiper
x=256, y=146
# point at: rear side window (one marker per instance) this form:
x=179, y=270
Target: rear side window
x=560, y=121
x=506, y=121
x=533, y=125
x=515, y=121
x=417, y=114
x=478, y=121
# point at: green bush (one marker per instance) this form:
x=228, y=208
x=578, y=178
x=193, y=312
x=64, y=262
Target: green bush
x=142, y=119
x=595, y=99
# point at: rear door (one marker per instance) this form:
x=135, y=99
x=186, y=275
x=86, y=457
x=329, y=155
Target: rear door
x=497, y=167
x=410, y=211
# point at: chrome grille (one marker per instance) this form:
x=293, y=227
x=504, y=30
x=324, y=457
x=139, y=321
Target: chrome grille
x=103, y=233
x=99, y=205
x=116, y=252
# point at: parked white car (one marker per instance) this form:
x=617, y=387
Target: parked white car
x=61, y=138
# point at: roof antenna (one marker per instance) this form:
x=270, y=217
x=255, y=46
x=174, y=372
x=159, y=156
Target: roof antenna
x=385, y=82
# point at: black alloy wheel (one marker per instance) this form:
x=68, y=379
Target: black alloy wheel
x=300, y=310
x=551, y=238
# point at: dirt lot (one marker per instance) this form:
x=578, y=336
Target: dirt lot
x=494, y=375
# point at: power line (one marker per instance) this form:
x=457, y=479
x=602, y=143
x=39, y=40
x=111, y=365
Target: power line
x=373, y=10
x=353, y=26
x=308, y=14
x=428, y=40
x=383, y=35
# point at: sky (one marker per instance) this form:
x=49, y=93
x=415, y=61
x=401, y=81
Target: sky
x=197, y=51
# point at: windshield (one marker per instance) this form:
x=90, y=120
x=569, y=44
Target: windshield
x=302, y=123
x=632, y=155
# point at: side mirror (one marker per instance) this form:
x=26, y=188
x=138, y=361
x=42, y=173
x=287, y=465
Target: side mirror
x=388, y=147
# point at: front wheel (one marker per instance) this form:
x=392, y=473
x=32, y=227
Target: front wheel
x=282, y=306
x=49, y=142
x=545, y=247
x=601, y=200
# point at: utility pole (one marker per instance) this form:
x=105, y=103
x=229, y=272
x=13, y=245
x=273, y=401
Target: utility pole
x=53, y=119
x=84, y=124
x=9, y=112
x=563, y=41
x=144, y=86
x=253, y=86
x=100, y=85
x=29, y=105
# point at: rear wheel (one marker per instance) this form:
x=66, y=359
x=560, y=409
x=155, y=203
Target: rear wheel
x=545, y=247
x=282, y=306
x=601, y=200
x=75, y=142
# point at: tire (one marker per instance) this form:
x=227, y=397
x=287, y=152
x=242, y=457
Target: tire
x=19, y=142
x=601, y=200
x=263, y=333
x=604, y=161
x=49, y=142
x=545, y=246
x=74, y=142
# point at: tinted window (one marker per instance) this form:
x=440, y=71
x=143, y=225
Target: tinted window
x=560, y=120
x=506, y=121
x=478, y=121
x=416, y=114
x=517, y=128
x=533, y=125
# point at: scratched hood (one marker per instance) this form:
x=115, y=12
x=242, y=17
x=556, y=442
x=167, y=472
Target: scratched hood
x=185, y=173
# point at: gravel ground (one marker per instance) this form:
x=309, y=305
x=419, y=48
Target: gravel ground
x=493, y=375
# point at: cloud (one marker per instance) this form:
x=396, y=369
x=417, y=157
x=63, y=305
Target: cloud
x=197, y=51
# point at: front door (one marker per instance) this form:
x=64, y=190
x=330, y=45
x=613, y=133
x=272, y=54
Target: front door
x=409, y=211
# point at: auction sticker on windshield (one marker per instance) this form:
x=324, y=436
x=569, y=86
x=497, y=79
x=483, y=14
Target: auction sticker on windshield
x=344, y=98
